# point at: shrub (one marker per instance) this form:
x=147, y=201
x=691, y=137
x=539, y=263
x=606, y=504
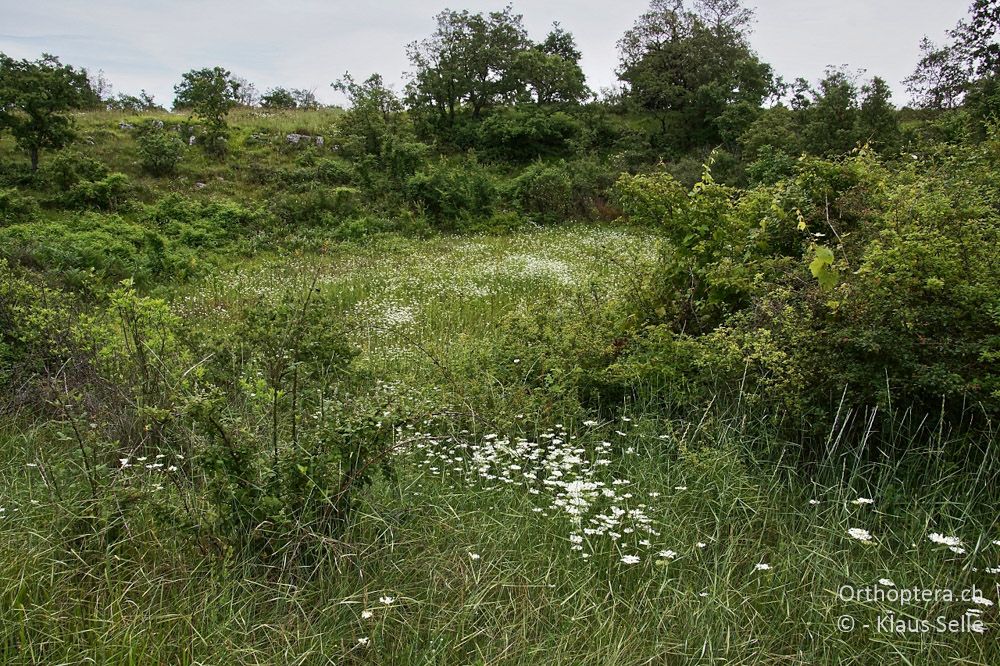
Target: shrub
x=67, y=168
x=108, y=194
x=16, y=208
x=544, y=192
x=160, y=151
x=317, y=205
x=103, y=246
x=845, y=286
x=452, y=191
x=521, y=134
x=560, y=191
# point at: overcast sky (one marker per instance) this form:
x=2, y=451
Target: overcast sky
x=309, y=43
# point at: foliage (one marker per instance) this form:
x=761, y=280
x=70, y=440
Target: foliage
x=209, y=94
x=16, y=208
x=34, y=99
x=160, y=151
x=522, y=134
x=448, y=192
x=687, y=67
x=843, y=268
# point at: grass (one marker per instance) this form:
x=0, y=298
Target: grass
x=511, y=547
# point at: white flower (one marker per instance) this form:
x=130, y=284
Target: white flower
x=860, y=534
x=813, y=502
x=762, y=566
x=680, y=487
x=863, y=500
x=996, y=542
x=630, y=559
x=951, y=541
x=364, y=641
x=387, y=600
x=886, y=582
x=701, y=544
x=366, y=614
x=957, y=549
x=474, y=556
x=590, y=424
x=981, y=601
x=667, y=554
x=123, y=461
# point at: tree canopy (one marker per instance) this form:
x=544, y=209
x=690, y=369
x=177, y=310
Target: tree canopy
x=34, y=96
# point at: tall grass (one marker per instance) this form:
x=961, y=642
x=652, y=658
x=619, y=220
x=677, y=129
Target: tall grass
x=469, y=554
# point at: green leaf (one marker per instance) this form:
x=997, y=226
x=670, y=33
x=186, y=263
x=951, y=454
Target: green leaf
x=822, y=268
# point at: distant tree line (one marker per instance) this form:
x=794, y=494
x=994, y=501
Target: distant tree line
x=690, y=82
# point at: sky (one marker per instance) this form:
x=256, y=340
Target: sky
x=310, y=43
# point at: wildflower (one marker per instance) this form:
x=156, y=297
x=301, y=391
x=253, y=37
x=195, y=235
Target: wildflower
x=680, y=487
x=366, y=614
x=590, y=424
x=364, y=642
x=951, y=541
x=387, y=600
x=863, y=500
x=886, y=582
x=667, y=554
x=124, y=462
x=813, y=502
x=860, y=534
x=630, y=559
x=474, y=556
x=981, y=601
x=701, y=544
x=762, y=566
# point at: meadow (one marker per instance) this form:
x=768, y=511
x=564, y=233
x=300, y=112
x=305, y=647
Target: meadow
x=495, y=370
x=549, y=539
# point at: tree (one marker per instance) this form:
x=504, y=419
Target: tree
x=876, y=119
x=34, y=96
x=549, y=78
x=209, y=94
x=278, y=98
x=940, y=79
x=305, y=99
x=687, y=66
x=246, y=92
x=133, y=103
x=470, y=60
x=831, y=117
x=374, y=111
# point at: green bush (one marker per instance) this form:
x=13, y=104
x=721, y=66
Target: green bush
x=848, y=285
x=160, y=151
x=316, y=205
x=16, y=208
x=66, y=168
x=449, y=192
x=93, y=245
x=522, y=134
x=560, y=191
x=108, y=194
